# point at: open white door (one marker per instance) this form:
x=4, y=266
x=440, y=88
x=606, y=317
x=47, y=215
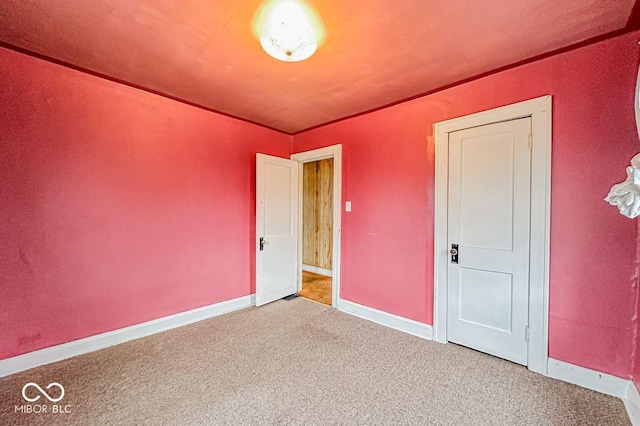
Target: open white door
x=276, y=228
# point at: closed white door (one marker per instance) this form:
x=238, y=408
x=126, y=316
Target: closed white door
x=488, y=235
x=276, y=228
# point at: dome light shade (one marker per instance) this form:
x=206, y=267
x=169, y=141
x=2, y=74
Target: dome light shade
x=288, y=30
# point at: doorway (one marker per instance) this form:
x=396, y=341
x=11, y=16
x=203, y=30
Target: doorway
x=317, y=230
x=492, y=232
x=320, y=187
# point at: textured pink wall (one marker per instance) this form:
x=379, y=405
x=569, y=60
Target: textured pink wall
x=116, y=206
x=387, y=239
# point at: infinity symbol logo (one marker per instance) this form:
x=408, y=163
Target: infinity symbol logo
x=46, y=395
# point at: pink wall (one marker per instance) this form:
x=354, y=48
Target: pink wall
x=389, y=177
x=116, y=206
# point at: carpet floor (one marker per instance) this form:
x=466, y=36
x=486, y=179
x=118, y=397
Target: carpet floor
x=301, y=363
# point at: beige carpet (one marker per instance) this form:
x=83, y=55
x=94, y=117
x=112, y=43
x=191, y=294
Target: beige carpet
x=299, y=362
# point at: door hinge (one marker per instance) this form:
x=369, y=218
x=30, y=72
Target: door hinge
x=530, y=142
x=527, y=332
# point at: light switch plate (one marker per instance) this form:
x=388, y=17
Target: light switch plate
x=347, y=206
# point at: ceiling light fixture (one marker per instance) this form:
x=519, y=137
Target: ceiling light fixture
x=288, y=30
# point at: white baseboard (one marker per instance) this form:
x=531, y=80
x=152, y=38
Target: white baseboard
x=399, y=323
x=632, y=404
x=317, y=270
x=104, y=340
x=590, y=379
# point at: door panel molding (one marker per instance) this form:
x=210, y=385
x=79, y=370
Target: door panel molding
x=335, y=152
x=539, y=109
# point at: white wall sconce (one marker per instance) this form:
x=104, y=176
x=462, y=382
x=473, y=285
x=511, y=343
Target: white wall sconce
x=626, y=195
x=288, y=30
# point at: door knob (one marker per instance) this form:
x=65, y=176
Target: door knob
x=453, y=251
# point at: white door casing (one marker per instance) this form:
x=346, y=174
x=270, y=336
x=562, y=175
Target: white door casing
x=489, y=206
x=276, y=227
x=540, y=111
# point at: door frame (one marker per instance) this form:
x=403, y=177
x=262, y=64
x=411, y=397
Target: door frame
x=539, y=109
x=335, y=152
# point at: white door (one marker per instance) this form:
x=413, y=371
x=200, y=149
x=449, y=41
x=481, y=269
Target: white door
x=276, y=228
x=489, y=220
